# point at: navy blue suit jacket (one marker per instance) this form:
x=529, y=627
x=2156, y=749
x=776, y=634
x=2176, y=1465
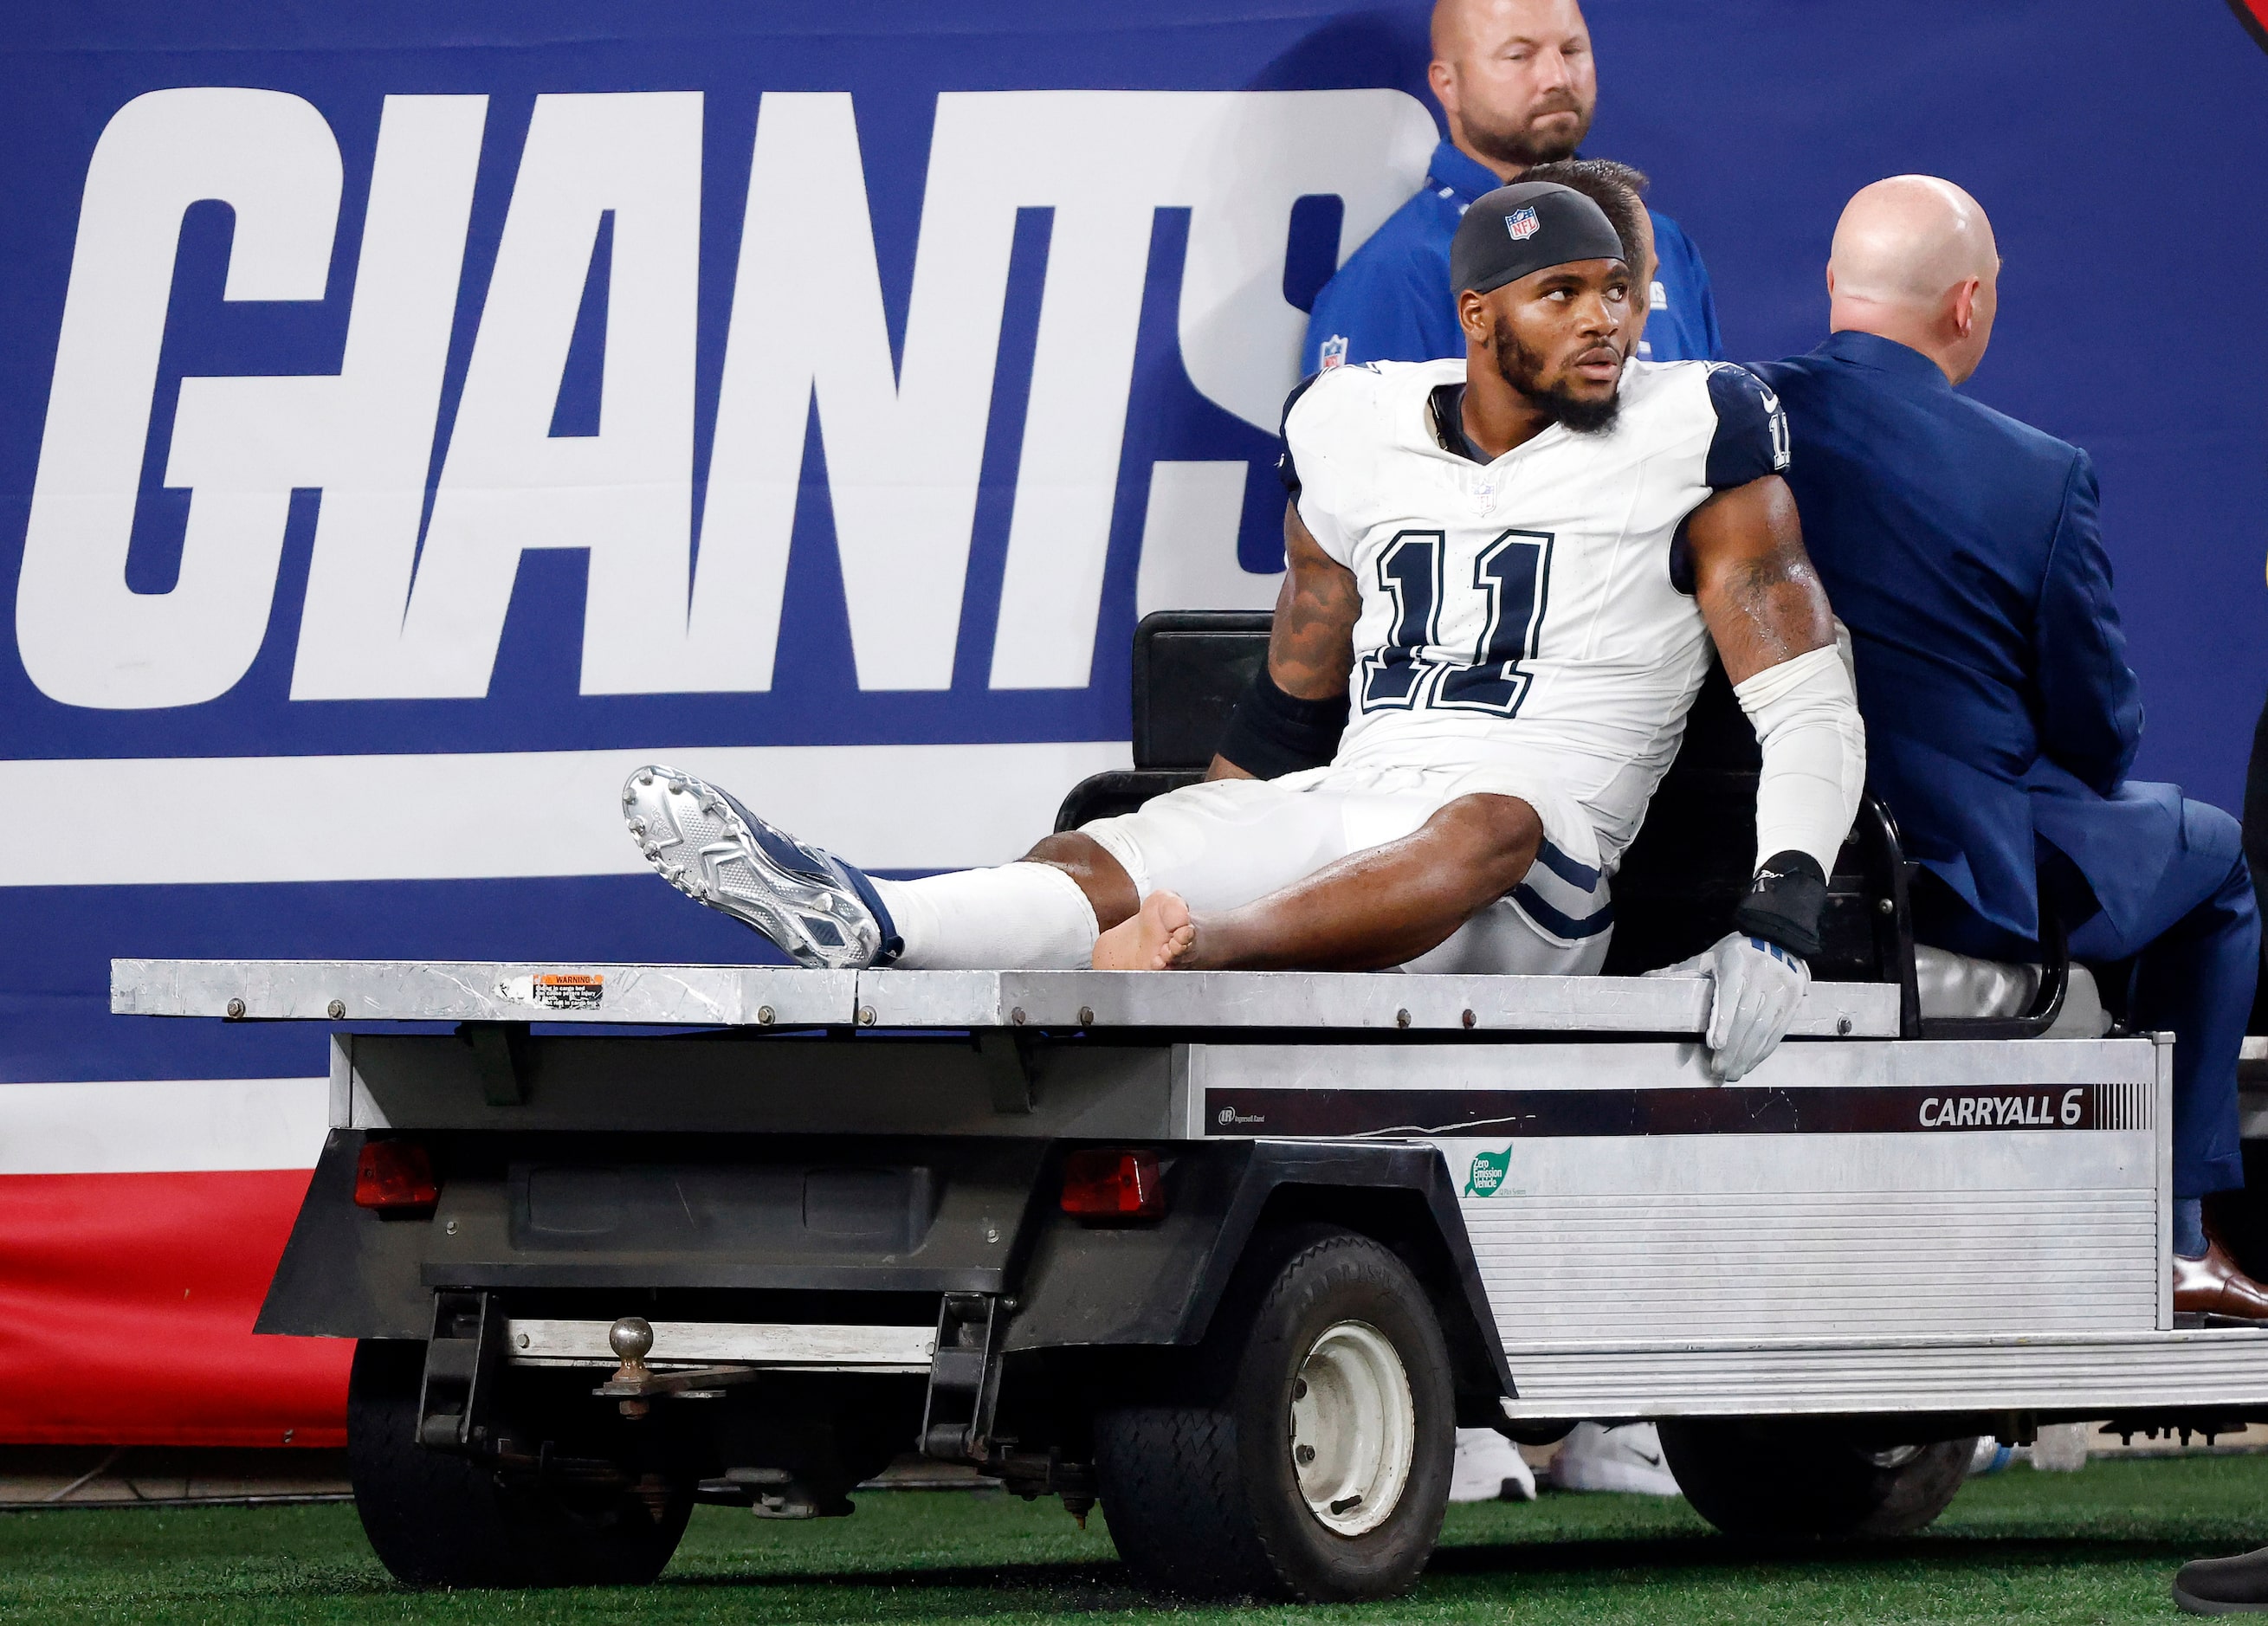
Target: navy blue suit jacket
x=1961, y=548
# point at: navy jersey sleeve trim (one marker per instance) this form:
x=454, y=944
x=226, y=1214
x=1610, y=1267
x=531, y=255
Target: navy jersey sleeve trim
x=1285, y=468
x=1681, y=556
x=1751, y=438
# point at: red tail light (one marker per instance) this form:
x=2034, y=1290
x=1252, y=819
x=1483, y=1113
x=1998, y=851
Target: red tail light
x=1113, y=1185
x=394, y=1175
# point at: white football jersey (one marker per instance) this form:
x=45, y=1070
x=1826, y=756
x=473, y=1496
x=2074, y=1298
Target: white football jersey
x=1528, y=611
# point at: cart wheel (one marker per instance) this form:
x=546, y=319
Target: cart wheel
x=1305, y=1453
x=438, y=1519
x=1790, y=1478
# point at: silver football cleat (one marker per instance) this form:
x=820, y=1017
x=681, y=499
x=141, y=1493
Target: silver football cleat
x=816, y=908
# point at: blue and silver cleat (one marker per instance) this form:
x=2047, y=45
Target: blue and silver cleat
x=822, y=912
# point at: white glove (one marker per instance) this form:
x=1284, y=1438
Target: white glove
x=1758, y=987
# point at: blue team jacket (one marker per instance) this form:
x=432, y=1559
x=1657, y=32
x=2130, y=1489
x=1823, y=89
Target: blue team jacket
x=1961, y=549
x=1390, y=301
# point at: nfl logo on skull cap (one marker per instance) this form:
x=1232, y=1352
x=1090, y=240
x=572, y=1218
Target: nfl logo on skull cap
x=1522, y=224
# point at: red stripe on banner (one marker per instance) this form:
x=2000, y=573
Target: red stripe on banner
x=2254, y=15
x=126, y=1310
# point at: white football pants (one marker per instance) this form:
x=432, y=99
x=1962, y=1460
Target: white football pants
x=1231, y=842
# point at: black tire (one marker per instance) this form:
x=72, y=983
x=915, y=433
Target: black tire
x=1197, y=1479
x=438, y=1519
x=1792, y=1479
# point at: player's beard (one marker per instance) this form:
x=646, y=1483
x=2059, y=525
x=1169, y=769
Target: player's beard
x=1520, y=145
x=1522, y=367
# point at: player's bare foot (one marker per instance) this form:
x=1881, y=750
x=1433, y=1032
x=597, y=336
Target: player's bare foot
x=1157, y=937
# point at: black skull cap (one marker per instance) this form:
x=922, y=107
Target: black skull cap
x=1527, y=227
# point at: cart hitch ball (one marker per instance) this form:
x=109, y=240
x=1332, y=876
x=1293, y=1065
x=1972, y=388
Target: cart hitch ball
x=631, y=1338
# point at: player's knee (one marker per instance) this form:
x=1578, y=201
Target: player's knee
x=1109, y=890
x=1492, y=838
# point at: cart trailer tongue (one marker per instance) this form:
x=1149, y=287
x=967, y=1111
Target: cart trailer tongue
x=617, y=1237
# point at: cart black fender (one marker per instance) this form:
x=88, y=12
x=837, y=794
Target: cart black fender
x=1160, y=1281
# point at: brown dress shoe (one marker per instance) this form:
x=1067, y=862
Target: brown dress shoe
x=2213, y=1287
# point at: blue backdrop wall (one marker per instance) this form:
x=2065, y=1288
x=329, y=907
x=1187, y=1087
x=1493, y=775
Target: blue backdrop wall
x=382, y=385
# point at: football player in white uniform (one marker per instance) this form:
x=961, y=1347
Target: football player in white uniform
x=1506, y=575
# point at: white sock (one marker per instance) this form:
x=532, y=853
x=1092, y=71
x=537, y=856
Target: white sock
x=1019, y=917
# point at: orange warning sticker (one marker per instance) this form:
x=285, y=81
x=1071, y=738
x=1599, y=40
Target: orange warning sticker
x=567, y=991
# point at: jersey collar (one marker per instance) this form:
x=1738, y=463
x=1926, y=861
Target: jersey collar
x=1870, y=350
x=1460, y=176
x=1447, y=403
x=1444, y=407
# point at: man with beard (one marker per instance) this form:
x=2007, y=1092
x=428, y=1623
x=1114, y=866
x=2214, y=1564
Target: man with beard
x=1512, y=567
x=1518, y=85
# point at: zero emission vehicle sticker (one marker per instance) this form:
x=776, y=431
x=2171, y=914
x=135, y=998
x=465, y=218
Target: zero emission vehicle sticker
x=1486, y=1178
x=1726, y=1110
x=557, y=990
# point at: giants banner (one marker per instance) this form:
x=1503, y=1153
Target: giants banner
x=412, y=417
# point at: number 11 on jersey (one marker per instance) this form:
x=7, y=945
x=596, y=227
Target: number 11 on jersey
x=1412, y=670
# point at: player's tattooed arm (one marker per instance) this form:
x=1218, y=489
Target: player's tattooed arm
x=1311, y=645
x=1768, y=615
x=1755, y=586
x=1311, y=649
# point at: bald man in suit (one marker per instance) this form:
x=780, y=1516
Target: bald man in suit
x=1961, y=548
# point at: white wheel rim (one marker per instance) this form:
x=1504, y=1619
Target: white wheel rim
x=1353, y=1428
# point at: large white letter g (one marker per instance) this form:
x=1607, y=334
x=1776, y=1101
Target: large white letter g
x=86, y=638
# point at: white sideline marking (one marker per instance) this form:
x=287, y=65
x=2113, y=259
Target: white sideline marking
x=202, y=820
x=163, y=1126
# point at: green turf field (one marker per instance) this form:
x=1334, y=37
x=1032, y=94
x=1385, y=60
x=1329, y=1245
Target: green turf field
x=2097, y=1546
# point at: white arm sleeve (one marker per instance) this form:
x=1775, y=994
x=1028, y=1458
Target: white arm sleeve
x=1806, y=714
